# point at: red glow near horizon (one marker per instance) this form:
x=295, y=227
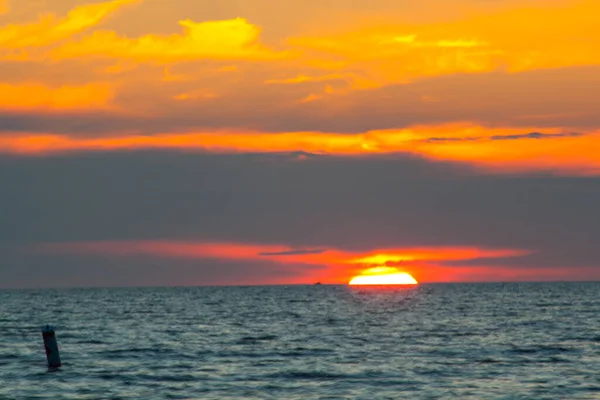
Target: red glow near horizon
x=338, y=266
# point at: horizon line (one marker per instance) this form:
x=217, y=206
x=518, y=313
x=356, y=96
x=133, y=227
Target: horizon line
x=283, y=285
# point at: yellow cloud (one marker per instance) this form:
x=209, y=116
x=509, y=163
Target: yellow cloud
x=35, y=96
x=411, y=40
x=50, y=29
x=222, y=40
x=400, y=39
x=460, y=43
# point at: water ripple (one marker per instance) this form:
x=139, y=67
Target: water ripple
x=488, y=341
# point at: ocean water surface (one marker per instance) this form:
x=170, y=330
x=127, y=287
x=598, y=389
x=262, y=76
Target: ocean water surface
x=464, y=341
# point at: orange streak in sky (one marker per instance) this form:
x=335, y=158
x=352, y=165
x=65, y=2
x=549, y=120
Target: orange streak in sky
x=336, y=265
x=579, y=155
x=34, y=96
x=495, y=149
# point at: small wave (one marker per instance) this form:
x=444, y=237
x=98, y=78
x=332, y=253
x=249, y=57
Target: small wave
x=9, y=356
x=557, y=360
x=213, y=303
x=488, y=360
x=304, y=351
x=135, y=352
x=71, y=335
x=131, y=350
x=91, y=341
x=109, y=377
x=543, y=349
x=256, y=339
x=309, y=375
x=521, y=350
x=171, y=378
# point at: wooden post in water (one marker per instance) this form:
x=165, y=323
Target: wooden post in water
x=52, y=354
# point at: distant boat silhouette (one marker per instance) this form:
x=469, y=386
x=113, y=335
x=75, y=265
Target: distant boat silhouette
x=318, y=283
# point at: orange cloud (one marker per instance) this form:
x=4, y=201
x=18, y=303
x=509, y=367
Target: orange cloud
x=305, y=78
x=196, y=94
x=379, y=59
x=3, y=7
x=228, y=68
x=35, y=96
x=120, y=68
x=352, y=80
x=169, y=77
x=49, y=29
x=498, y=149
x=558, y=152
x=310, y=97
x=338, y=265
x=222, y=40
x=515, y=40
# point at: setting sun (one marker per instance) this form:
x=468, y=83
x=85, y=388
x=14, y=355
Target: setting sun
x=383, y=276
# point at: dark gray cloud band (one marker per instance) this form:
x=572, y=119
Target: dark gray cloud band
x=357, y=204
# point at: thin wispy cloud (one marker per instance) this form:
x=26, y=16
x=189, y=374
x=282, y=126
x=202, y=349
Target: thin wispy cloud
x=293, y=252
x=531, y=135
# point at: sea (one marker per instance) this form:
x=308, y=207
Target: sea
x=430, y=341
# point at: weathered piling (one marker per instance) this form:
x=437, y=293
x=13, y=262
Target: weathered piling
x=51, y=346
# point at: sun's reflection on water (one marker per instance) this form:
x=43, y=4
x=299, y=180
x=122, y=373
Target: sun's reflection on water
x=385, y=297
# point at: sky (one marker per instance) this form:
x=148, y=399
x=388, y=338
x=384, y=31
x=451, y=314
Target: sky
x=177, y=142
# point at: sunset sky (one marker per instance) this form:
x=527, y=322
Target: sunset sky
x=180, y=142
